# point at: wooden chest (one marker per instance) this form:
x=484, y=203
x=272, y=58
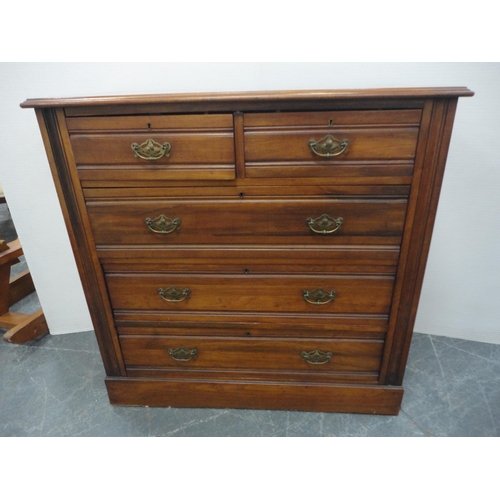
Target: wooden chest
x=252, y=250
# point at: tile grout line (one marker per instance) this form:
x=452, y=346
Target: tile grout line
x=442, y=371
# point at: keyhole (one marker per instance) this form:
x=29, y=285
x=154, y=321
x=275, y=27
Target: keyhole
x=149, y=126
x=246, y=271
x=330, y=122
x=242, y=195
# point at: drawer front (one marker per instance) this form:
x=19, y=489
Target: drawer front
x=312, y=355
x=248, y=222
x=244, y=326
x=262, y=260
x=251, y=293
x=331, y=144
x=153, y=148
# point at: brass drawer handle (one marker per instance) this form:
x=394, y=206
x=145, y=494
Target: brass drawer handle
x=163, y=225
x=324, y=224
x=328, y=146
x=173, y=294
x=316, y=357
x=183, y=354
x=151, y=150
x=319, y=296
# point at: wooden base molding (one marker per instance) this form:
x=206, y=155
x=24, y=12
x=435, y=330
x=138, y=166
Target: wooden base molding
x=258, y=396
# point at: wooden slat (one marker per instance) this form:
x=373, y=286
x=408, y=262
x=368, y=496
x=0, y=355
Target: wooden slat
x=151, y=123
x=331, y=119
x=20, y=286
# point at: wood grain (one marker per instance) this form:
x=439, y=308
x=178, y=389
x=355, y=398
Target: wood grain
x=257, y=395
x=248, y=222
x=243, y=180
x=251, y=293
x=252, y=354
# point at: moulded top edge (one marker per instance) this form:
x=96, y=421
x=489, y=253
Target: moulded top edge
x=282, y=95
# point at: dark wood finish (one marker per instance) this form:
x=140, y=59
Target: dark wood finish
x=266, y=99
x=59, y=153
x=259, y=191
x=266, y=376
x=122, y=176
x=202, y=147
x=383, y=400
x=352, y=327
x=248, y=222
x=252, y=293
x=153, y=123
x=423, y=205
x=254, y=354
x=364, y=144
x=244, y=180
x=262, y=260
x=187, y=149
x=348, y=171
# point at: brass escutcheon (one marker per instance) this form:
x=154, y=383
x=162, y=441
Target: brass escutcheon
x=319, y=296
x=173, y=294
x=324, y=224
x=151, y=150
x=163, y=225
x=183, y=353
x=316, y=357
x=328, y=146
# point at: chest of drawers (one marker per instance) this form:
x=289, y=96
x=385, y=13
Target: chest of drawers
x=252, y=250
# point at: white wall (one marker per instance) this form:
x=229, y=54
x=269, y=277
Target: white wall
x=461, y=292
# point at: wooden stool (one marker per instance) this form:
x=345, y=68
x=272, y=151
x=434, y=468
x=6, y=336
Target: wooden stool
x=21, y=327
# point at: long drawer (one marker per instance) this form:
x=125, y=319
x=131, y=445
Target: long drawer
x=259, y=260
x=251, y=293
x=311, y=355
x=248, y=222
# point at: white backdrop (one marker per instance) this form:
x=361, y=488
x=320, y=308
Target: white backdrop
x=461, y=292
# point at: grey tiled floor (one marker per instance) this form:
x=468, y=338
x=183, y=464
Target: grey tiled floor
x=54, y=386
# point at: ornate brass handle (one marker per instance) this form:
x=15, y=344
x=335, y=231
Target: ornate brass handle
x=328, y=146
x=319, y=296
x=173, y=294
x=163, y=225
x=183, y=354
x=324, y=224
x=151, y=150
x=316, y=357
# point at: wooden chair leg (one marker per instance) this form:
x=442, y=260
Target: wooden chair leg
x=21, y=327
x=29, y=328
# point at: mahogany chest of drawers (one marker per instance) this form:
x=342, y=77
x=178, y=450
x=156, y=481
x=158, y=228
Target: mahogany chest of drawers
x=252, y=250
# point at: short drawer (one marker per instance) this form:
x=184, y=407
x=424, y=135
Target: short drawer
x=248, y=222
x=153, y=148
x=251, y=293
x=198, y=353
x=331, y=144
